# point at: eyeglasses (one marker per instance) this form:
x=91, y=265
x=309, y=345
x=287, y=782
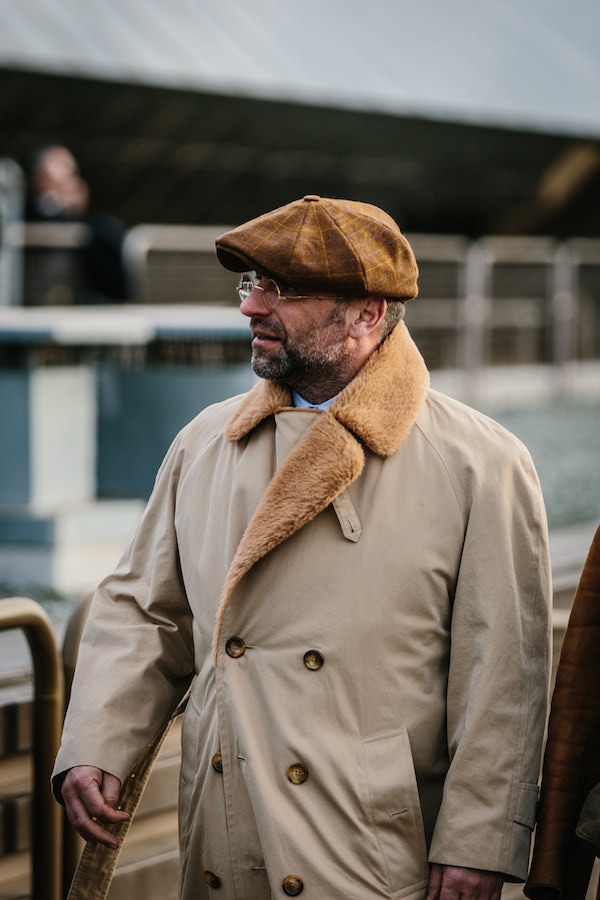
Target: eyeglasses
x=272, y=296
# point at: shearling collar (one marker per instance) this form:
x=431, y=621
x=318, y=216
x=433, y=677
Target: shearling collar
x=378, y=406
x=377, y=410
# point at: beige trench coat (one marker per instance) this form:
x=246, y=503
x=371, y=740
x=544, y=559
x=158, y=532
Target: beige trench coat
x=362, y=598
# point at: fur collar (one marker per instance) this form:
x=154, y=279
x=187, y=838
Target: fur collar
x=378, y=406
x=377, y=410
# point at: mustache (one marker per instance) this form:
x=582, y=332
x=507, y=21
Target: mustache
x=272, y=329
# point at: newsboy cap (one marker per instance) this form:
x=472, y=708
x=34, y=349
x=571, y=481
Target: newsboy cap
x=317, y=243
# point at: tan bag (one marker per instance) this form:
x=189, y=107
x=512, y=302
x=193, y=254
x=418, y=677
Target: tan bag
x=98, y=862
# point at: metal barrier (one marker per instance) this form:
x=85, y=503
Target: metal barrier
x=48, y=704
x=492, y=301
x=583, y=257
x=53, y=268
x=11, y=226
x=481, y=302
x=437, y=319
x=177, y=264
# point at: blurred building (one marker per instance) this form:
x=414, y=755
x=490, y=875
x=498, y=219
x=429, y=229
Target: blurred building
x=455, y=117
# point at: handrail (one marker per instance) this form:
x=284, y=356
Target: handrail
x=48, y=703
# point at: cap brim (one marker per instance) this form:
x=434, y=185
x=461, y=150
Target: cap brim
x=233, y=261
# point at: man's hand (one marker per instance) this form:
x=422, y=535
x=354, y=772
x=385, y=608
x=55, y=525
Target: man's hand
x=454, y=882
x=91, y=797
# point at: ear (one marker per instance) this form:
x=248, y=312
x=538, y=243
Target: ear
x=366, y=315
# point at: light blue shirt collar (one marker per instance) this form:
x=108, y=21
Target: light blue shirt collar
x=301, y=403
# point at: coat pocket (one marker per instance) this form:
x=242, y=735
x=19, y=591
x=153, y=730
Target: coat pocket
x=396, y=811
x=190, y=735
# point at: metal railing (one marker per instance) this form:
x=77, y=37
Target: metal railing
x=53, y=266
x=11, y=226
x=481, y=302
x=176, y=264
x=490, y=301
x=48, y=704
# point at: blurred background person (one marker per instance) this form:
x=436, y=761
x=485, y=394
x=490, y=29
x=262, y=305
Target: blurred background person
x=57, y=192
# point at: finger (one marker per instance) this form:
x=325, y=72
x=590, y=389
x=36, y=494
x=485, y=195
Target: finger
x=469, y=884
x=87, y=825
x=435, y=882
x=96, y=791
x=88, y=809
x=111, y=789
x=94, y=833
x=90, y=826
x=450, y=889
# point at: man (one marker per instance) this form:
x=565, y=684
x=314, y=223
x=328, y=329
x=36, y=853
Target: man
x=360, y=592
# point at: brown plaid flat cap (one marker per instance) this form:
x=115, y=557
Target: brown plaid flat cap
x=317, y=243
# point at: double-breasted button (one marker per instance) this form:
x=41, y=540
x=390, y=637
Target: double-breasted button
x=297, y=773
x=217, y=762
x=212, y=880
x=293, y=885
x=235, y=647
x=313, y=660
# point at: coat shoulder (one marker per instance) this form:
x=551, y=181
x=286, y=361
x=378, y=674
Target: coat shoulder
x=449, y=424
x=211, y=421
x=477, y=453
x=201, y=432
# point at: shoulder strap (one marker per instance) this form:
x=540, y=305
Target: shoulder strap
x=98, y=862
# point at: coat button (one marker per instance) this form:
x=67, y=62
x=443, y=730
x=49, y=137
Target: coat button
x=297, y=773
x=313, y=660
x=293, y=885
x=217, y=762
x=212, y=880
x=235, y=647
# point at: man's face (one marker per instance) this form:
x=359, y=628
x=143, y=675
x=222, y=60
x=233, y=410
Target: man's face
x=302, y=343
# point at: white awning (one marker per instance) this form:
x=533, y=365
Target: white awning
x=531, y=64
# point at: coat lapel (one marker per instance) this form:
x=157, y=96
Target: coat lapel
x=377, y=410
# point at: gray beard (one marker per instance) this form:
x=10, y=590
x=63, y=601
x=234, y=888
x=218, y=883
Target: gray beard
x=324, y=371
x=320, y=367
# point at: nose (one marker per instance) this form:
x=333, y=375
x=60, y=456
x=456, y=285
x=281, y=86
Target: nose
x=254, y=304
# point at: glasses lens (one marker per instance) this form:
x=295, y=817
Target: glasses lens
x=271, y=293
x=246, y=286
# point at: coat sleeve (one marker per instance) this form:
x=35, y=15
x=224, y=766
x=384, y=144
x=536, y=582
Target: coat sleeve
x=136, y=658
x=499, y=667
x=562, y=864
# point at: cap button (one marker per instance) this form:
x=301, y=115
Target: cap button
x=312, y=198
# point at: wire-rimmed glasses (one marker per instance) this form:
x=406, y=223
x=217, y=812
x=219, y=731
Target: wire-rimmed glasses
x=272, y=296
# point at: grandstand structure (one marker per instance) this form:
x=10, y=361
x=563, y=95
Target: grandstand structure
x=457, y=118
